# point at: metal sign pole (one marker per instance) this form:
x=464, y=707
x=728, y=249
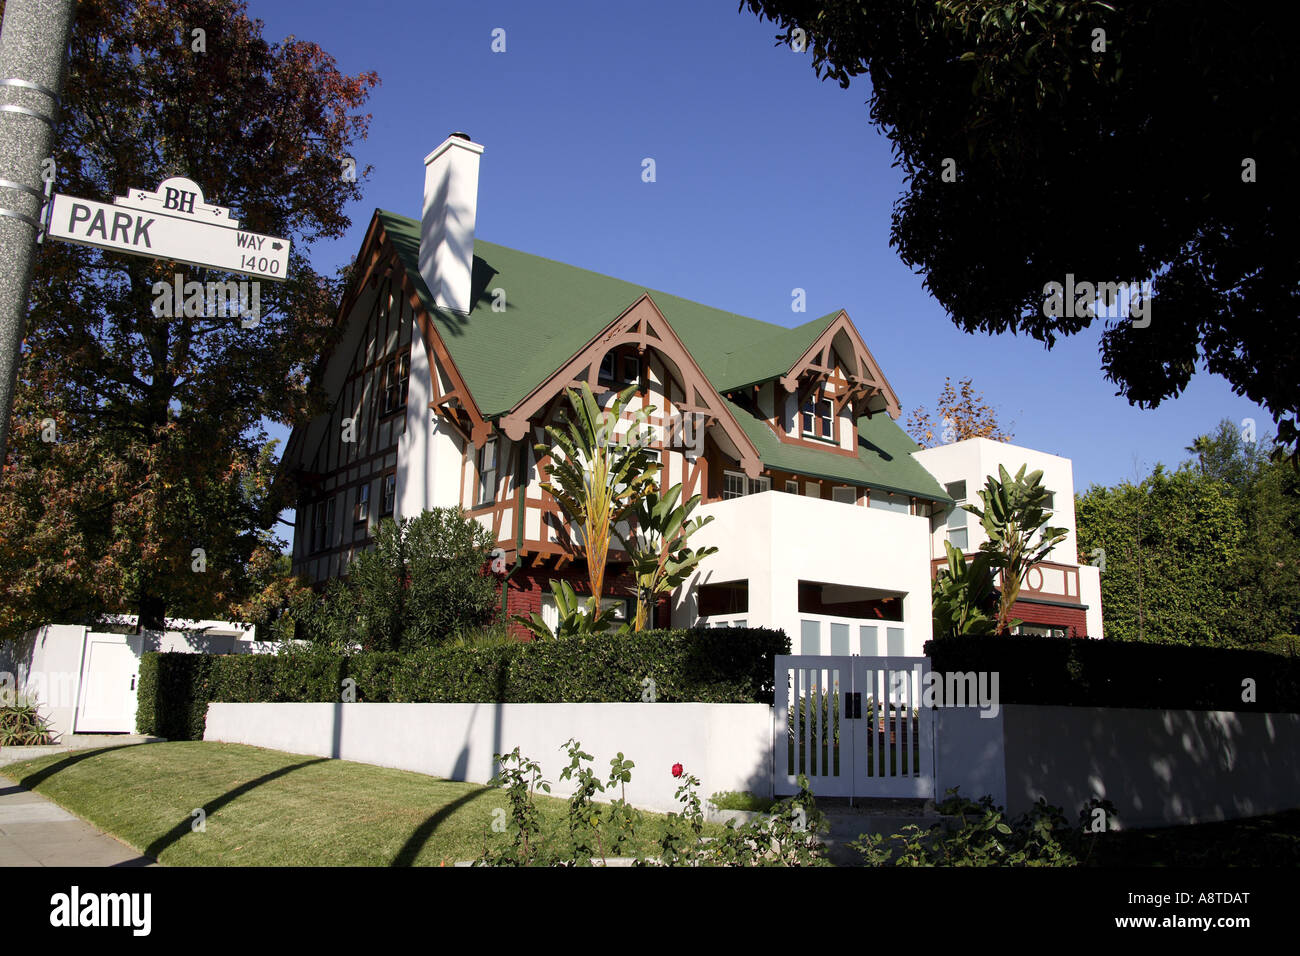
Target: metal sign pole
x=33, y=54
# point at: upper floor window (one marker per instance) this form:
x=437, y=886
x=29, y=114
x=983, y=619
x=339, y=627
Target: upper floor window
x=362, y=510
x=735, y=484
x=845, y=494
x=322, y=525
x=487, y=472
x=388, y=502
x=819, y=419
x=620, y=369
x=397, y=380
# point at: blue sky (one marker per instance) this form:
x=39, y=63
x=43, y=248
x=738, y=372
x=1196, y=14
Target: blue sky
x=767, y=180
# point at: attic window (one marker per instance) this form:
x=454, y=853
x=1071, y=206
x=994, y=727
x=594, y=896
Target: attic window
x=397, y=381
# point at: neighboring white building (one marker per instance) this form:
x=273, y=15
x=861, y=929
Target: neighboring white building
x=1061, y=596
x=455, y=354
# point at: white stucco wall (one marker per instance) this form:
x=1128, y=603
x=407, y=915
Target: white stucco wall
x=1158, y=767
x=45, y=665
x=48, y=664
x=774, y=540
x=727, y=746
x=976, y=459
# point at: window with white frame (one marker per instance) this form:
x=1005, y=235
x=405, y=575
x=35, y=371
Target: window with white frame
x=487, y=472
x=735, y=484
x=388, y=502
x=362, y=510
x=845, y=494
x=818, y=415
x=791, y=487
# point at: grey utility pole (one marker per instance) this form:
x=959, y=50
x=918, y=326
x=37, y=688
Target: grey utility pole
x=33, y=53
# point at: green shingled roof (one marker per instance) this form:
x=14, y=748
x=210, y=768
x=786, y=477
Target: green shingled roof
x=552, y=310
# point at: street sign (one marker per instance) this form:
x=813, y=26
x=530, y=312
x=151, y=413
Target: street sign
x=172, y=222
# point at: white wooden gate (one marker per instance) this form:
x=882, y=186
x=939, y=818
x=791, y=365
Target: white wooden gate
x=109, y=671
x=854, y=726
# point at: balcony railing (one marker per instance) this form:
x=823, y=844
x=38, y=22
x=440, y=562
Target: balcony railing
x=1046, y=580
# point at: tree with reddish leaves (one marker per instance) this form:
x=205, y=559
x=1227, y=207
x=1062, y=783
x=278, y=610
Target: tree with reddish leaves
x=139, y=477
x=962, y=413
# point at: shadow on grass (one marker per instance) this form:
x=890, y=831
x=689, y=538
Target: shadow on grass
x=420, y=836
x=38, y=777
x=184, y=827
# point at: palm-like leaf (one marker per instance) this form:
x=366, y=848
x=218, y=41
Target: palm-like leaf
x=657, y=547
x=1014, y=513
x=596, y=476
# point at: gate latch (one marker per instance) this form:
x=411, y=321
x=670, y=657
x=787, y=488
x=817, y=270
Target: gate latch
x=852, y=705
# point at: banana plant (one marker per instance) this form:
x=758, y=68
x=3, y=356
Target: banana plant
x=576, y=618
x=596, y=476
x=660, y=558
x=961, y=593
x=1014, y=519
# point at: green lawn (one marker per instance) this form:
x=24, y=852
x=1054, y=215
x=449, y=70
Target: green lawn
x=268, y=808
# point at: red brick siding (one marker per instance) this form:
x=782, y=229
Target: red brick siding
x=1049, y=615
x=527, y=587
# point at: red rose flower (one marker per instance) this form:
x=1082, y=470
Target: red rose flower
x=677, y=770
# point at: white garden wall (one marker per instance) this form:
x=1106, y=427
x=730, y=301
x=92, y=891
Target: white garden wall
x=1158, y=767
x=727, y=746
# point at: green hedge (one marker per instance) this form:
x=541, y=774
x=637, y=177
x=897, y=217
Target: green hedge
x=717, y=665
x=1099, y=673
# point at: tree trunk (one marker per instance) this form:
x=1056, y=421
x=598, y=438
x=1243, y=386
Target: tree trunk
x=151, y=614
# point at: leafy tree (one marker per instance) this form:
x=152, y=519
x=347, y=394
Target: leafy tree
x=1172, y=544
x=1026, y=129
x=961, y=416
x=962, y=596
x=421, y=584
x=1014, y=518
x=155, y=446
x=596, y=476
x=661, y=560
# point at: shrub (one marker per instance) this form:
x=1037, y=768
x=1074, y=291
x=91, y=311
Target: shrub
x=1088, y=673
x=22, y=726
x=423, y=582
x=979, y=834
x=717, y=665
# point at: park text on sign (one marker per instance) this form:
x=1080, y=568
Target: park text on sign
x=172, y=222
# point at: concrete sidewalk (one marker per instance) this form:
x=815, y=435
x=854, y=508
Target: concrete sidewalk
x=35, y=831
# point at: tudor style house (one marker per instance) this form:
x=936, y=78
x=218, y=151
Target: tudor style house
x=454, y=353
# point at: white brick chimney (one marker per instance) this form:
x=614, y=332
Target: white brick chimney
x=447, y=223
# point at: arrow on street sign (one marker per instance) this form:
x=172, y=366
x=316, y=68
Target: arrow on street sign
x=172, y=222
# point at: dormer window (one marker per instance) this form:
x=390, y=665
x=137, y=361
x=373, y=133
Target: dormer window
x=819, y=419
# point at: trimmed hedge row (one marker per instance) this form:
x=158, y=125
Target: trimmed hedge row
x=716, y=665
x=1088, y=673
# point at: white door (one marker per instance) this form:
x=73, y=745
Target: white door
x=108, y=680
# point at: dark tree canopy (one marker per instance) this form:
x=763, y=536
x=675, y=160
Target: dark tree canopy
x=1120, y=161
x=137, y=436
